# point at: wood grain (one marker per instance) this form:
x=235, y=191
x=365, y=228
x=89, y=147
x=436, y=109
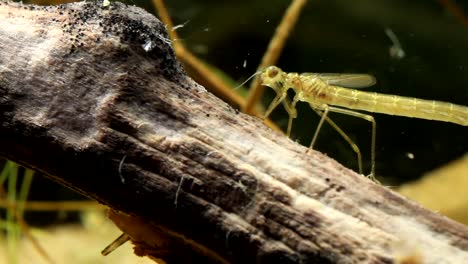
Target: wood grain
x=94, y=97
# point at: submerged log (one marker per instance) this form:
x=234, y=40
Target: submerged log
x=94, y=97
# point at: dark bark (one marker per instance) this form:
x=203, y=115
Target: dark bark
x=94, y=97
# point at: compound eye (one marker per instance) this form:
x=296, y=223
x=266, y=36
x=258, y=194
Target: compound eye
x=272, y=72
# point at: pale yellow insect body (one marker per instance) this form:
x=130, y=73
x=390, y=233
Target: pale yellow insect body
x=325, y=91
x=311, y=88
x=385, y=104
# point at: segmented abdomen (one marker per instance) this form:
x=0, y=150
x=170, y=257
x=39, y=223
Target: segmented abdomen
x=397, y=105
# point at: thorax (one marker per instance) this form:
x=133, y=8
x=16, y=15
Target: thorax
x=311, y=88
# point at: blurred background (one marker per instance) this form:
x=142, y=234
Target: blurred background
x=339, y=37
x=413, y=48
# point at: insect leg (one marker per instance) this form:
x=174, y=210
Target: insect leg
x=291, y=109
x=278, y=99
x=365, y=117
x=345, y=137
x=319, y=126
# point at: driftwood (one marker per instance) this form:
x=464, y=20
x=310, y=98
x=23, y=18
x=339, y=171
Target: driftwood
x=94, y=97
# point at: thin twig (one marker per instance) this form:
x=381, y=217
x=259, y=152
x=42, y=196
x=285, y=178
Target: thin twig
x=456, y=11
x=199, y=71
x=26, y=231
x=273, y=51
x=55, y=205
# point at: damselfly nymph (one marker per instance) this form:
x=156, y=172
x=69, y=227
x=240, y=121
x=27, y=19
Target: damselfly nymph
x=331, y=92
